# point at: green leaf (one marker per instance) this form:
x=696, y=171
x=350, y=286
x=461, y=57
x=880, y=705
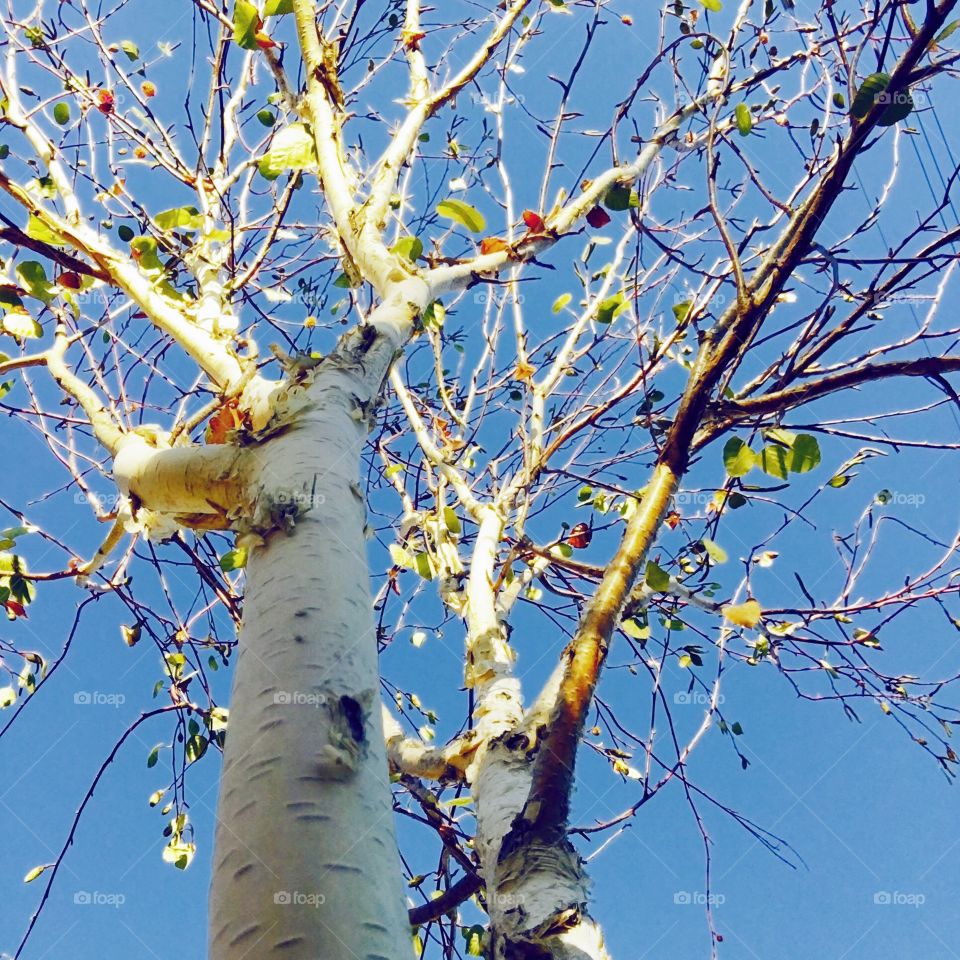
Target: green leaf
x=474, y=940
x=422, y=566
x=125, y=233
x=154, y=756
x=716, y=553
x=130, y=49
x=656, y=577
x=182, y=218
x=681, y=310
x=736, y=729
x=435, y=314
x=873, y=90
x=61, y=113
x=267, y=117
x=451, y=521
x=947, y=31
x=462, y=213
x=715, y=5
x=235, y=559
x=608, y=310
x=19, y=324
x=34, y=280
x=145, y=253
x=617, y=197
x=9, y=298
x=901, y=106
x=866, y=97
x=839, y=100
x=246, y=23
x=195, y=747
x=409, y=247
x=561, y=302
x=738, y=458
x=276, y=8
x=292, y=149
x=744, y=119
x=634, y=629
x=38, y=230
x=773, y=460
x=804, y=454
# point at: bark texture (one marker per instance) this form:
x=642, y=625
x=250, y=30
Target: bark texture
x=312, y=865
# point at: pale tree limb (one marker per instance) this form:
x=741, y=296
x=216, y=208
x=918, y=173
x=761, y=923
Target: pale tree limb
x=423, y=105
x=414, y=758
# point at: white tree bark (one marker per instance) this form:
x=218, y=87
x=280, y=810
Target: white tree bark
x=311, y=869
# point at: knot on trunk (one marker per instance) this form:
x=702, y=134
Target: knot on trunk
x=541, y=887
x=347, y=740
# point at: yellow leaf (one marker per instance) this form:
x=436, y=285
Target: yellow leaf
x=524, y=372
x=744, y=614
x=34, y=873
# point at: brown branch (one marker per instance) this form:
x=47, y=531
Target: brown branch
x=451, y=898
x=546, y=812
x=730, y=412
x=14, y=235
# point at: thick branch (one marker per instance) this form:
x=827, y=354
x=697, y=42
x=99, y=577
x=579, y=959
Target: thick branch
x=727, y=413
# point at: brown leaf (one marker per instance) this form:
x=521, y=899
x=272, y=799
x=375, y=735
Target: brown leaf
x=493, y=245
x=227, y=419
x=598, y=218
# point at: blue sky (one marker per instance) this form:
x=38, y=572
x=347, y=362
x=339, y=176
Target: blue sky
x=870, y=819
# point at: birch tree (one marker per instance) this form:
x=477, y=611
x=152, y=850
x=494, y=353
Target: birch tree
x=538, y=325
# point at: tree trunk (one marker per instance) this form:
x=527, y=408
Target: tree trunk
x=306, y=863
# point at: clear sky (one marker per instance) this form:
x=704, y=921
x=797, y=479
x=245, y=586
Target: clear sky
x=868, y=822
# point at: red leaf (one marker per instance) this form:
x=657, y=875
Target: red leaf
x=263, y=41
x=15, y=608
x=105, y=102
x=580, y=536
x=534, y=222
x=598, y=218
x=69, y=280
